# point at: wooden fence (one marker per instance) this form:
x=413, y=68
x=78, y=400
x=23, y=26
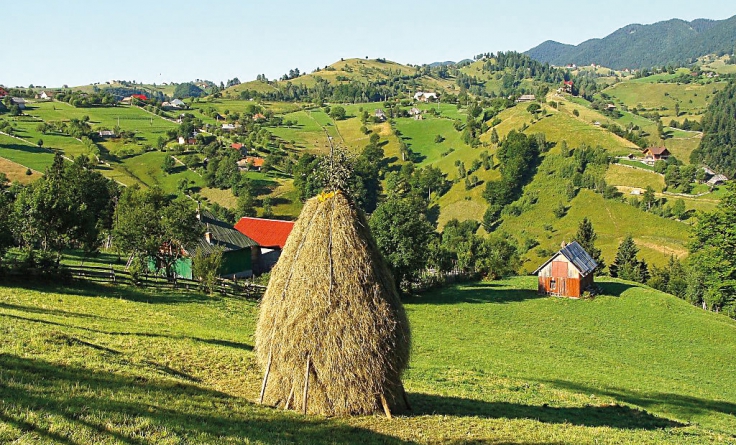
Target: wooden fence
x=101, y=274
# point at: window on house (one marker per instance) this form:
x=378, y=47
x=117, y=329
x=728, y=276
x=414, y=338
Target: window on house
x=552, y=284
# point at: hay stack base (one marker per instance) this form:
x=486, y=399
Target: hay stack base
x=332, y=336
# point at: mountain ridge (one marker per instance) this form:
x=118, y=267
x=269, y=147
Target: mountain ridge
x=673, y=41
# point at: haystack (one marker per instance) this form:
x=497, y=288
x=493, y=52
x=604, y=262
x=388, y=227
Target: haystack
x=332, y=335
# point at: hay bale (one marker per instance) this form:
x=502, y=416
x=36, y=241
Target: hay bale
x=332, y=302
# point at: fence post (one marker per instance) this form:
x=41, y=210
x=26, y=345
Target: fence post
x=112, y=273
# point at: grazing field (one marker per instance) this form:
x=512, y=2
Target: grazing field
x=692, y=98
x=631, y=177
x=25, y=154
x=94, y=364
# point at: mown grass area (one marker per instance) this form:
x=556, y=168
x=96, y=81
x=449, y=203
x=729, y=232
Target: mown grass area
x=147, y=127
x=94, y=364
x=17, y=172
x=28, y=155
x=630, y=177
x=693, y=98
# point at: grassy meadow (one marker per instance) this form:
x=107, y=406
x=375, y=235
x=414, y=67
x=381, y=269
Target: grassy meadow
x=94, y=364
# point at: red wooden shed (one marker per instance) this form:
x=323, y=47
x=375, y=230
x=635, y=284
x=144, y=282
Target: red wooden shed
x=568, y=273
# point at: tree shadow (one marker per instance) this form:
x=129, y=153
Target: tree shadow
x=613, y=289
x=27, y=148
x=683, y=405
x=611, y=416
x=97, y=290
x=44, y=311
x=476, y=293
x=135, y=409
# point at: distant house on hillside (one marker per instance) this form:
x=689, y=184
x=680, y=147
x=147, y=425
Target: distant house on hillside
x=258, y=117
x=19, y=101
x=178, y=103
x=568, y=273
x=654, y=154
x=240, y=148
x=380, y=115
x=270, y=234
x=425, y=96
x=127, y=100
x=717, y=180
x=526, y=98
x=254, y=163
x=107, y=134
x=191, y=140
x=610, y=107
x=228, y=127
x=568, y=86
x=45, y=95
x=415, y=111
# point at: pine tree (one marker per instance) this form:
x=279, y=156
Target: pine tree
x=586, y=237
x=626, y=265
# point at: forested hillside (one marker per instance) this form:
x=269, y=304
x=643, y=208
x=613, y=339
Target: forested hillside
x=672, y=42
x=718, y=146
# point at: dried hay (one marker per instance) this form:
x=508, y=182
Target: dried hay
x=332, y=314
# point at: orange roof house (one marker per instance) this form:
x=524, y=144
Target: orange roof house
x=270, y=234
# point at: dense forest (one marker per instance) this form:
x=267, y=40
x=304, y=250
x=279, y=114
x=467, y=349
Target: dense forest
x=718, y=146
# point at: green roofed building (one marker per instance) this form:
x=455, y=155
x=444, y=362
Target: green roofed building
x=238, y=251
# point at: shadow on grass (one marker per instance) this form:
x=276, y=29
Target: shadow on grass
x=211, y=341
x=90, y=289
x=132, y=409
x=475, y=293
x=612, y=416
x=683, y=405
x=614, y=289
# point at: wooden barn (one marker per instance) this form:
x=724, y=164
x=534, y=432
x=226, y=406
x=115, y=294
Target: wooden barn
x=568, y=273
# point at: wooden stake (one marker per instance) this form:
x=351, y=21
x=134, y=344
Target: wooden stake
x=265, y=377
x=306, y=384
x=406, y=399
x=385, y=406
x=288, y=400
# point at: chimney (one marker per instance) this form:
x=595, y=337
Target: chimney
x=562, y=246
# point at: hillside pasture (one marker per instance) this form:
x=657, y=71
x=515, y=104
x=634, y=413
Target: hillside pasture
x=662, y=97
x=95, y=364
x=17, y=172
x=26, y=154
x=634, y=178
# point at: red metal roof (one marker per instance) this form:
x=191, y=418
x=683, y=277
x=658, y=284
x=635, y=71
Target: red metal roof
x=140, y=96
x=256, y=161
x=266, y=232
x=237, y=145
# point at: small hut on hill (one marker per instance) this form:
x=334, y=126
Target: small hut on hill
x=332, y=336
x=568, y=273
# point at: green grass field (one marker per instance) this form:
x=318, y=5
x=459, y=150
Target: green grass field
x=25, y=154
x=693, y=98
x=95, y=364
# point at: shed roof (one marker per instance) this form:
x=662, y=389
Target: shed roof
x=222, y=235
x=658, y=150
x=574, y=253
x=266, y=232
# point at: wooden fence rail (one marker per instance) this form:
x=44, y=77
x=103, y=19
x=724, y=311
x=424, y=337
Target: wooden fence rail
x=101, y=274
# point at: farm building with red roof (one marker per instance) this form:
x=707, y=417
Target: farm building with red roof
x=140, y=96
x=270, y=234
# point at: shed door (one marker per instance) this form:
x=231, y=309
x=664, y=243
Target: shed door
x=559, y=269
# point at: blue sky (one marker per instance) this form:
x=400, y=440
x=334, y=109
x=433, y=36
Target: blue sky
x=77, y=42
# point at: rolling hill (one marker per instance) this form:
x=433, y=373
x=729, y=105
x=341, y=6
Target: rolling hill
x=643, y=46
x=94, y=364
